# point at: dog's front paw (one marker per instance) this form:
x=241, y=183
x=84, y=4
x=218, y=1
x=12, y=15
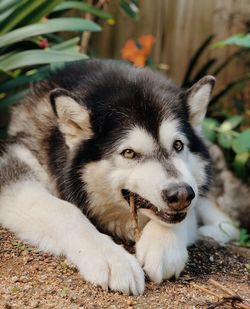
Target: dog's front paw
x=161, y=253
x=222, y=232
x=110, y=266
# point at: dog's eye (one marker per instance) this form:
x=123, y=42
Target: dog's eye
x=178, y=145
x=129, y=154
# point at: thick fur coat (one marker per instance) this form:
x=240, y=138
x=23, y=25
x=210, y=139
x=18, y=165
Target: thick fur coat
x=87, y=138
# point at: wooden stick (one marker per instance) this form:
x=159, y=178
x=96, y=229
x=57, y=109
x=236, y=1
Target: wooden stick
x=242, y=306
x=225, y=298
x=223, y=288
x=136, y=229
x=86, y=34
x=228, y=299
x=203, y=289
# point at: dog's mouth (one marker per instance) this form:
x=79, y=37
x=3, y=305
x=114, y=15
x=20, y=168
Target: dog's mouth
x=142, y=203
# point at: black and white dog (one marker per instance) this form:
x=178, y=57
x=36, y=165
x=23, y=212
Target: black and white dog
x=81, y=143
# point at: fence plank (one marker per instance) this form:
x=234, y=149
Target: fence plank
x=180, y=27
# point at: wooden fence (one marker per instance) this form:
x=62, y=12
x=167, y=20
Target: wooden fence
x=179, y=26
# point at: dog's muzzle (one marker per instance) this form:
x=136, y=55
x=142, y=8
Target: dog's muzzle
x=177, y=198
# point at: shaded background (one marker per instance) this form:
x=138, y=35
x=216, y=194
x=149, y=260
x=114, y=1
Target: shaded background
x=179, y=28
x=183, y=39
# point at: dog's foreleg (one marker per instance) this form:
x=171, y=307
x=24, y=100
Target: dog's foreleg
x=59, y=227
x=162, y=250
x=216, y=223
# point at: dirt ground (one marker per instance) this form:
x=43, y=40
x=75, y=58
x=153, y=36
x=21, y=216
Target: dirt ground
x=31, y=279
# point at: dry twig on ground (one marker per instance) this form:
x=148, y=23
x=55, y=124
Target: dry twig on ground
x=231, y=297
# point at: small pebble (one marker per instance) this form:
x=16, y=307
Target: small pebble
x=211, y=258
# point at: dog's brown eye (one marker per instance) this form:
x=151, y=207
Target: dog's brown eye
x=129, y=154
x=178, y=145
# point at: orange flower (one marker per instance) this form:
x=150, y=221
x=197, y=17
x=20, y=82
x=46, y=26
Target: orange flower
x=147, y=41
x=138, y=54
x=129, y=50
x=139, y=60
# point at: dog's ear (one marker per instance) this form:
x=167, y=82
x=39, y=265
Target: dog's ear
x=198, y=97
x=73, y=118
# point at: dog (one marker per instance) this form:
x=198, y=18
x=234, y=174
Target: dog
x=82, y=142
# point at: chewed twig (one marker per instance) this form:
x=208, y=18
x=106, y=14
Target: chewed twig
x=137, y=233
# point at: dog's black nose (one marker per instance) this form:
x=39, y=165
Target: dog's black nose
x=178, y=197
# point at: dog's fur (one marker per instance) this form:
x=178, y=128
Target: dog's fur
x=63, y=171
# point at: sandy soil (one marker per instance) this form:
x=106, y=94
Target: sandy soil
x=31, y=279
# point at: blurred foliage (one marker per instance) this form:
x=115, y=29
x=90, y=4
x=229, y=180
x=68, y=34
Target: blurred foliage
x=195, y=72
x=229, y=125
x=234, y=142
x=130, y=7
x=32, y=40
x=242, y=40
x=245, y=240
x=32, y=44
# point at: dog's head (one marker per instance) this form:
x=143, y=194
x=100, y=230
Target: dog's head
x=132, y=131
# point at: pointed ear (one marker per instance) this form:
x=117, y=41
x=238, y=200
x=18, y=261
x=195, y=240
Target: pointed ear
x=73, y=118
x=198, y=97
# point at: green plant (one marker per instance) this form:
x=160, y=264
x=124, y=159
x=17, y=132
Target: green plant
x=32, y=43
x=194, y=71
x=130, y=7
x=244, y=238
x=232, y=132
x=241, y=39
x=33, y=40
x=226, y=124
x=236, y=144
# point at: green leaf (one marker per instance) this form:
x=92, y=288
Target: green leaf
x=10, y=100
x=244, y=237
x=33, y=57
x=195, y=59
x=227, y=61
x=4, y=15
x=41, y=11
x=204, y=70
x=242, y=40
x=225, y=139
x=130, y=8
x=228, y=88
x=240, y=162
x=67, y=45
x=209, y=127
x=231, y=123
x=68, y=5
x=24, y=79
x=7, y=4
x=6, y=75
x=242, y=142
x=52, y=25
x=23, y=10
